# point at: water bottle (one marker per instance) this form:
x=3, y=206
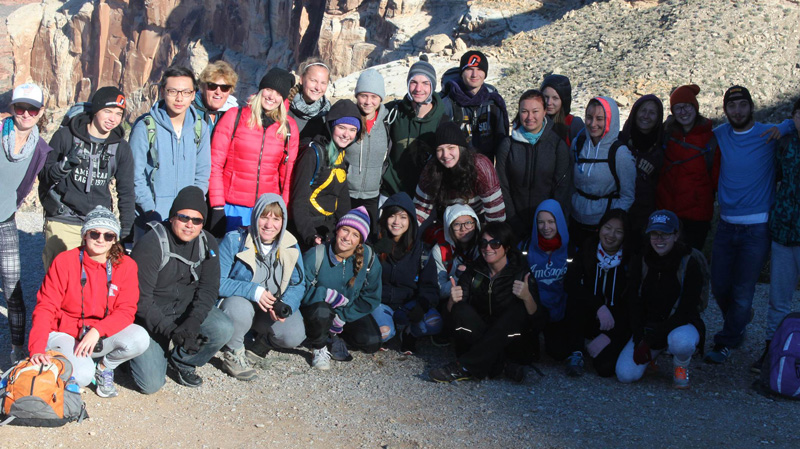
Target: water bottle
x=72, y=386
x=3, y=383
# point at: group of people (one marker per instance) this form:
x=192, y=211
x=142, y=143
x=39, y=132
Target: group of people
x=287, y=221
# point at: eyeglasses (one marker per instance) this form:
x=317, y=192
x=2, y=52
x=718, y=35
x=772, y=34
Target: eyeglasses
x=107, y=236
x=493, y=243
x=465, y=226
x=174, y=93
x=660, y=236
x=197, y=221
x=223, y=87
x=683, y=107
x=21, y=110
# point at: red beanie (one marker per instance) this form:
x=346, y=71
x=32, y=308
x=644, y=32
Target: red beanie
x=685, y=94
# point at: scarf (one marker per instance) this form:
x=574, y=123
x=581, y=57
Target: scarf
x=552, y=244
x=530, y=137
x=307, y=111
x=483, y=95
x=9, y=141
x=608, y=261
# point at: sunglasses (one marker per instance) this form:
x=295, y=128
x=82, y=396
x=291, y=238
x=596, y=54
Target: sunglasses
x=223, y=87
x=197, y=221
x=107, y=236
x=32, y=111
x=493, y=243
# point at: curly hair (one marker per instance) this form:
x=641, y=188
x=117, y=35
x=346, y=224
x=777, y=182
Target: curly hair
x=358, y=263
x=219, y=69
x=115, y=254
x=454, y=183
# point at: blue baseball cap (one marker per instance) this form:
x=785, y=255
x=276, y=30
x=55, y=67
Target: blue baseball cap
x=663, y=221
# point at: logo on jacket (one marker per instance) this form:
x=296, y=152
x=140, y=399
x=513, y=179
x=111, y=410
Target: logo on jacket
x=548, y=274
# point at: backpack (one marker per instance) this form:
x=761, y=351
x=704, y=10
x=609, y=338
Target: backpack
x=41, y=395
x=612, y=166
x=784, y=358
x=705, y=293
x=707, y=153
x=152, y=151
x=166, y=254
x=319, y=256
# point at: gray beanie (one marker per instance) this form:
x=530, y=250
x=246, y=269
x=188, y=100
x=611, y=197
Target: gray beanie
x=101, y=218
x=423, y=67
x=371, y=81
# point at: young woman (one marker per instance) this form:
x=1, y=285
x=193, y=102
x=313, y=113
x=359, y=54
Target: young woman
x=533, y=164
x=557, y=92
x=458, y=175
x=261, y=285
x=643, y=135
x=344, y=289
x=307, y=103
x=690, y=171
x=664, y=308
x=25, y=154
x=320, y=194
x=596, y=308
x=253, y=152
x=86, y=305
x=494, y=300
x=410, y=290
x=456, y=245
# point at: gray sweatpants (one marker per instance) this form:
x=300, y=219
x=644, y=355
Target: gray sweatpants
x=246, y=314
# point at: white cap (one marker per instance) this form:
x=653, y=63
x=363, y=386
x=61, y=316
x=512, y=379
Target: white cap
x=28, y=93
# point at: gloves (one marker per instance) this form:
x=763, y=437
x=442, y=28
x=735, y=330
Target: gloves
x=187, y=335
x=151, y=216
x=335, y=299
x=597, y=345
x=337, y=325
x=605, y=317
x=642, y=354
x=217, y=222
x=73, y=158
x=416, y=314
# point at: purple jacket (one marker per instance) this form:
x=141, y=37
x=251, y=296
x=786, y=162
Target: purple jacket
x=37, y=162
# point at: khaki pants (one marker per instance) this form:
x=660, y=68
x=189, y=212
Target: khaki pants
x=59, y=237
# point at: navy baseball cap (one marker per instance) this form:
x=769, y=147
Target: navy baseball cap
x=663, y=221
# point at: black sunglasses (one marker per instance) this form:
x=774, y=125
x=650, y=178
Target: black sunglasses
x=197, y=221
x=494, y=243
x=108, y=236
x=223, y=87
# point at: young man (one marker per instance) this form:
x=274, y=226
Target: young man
x=171, y=148
x=89, y=150
x=746, y=194
x=177, y=298
x=476, y=106
x=217, y=83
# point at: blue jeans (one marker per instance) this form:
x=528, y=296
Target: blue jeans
x=390, y=321
x=783, y=275
x=149, y=370
x=738, y=255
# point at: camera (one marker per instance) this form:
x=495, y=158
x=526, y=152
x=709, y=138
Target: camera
x=282, y=310
x=99, y=346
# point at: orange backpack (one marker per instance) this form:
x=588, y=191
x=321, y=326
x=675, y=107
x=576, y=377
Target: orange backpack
x=41, y=395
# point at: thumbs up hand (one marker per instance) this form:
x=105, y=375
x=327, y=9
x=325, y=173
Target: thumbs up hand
x=521, y=290
x=456, y=292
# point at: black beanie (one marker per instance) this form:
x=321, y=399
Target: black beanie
x=450, y=133
x=108, y=97
x=563, y=88
x=474, y=58
x=737, y=93
x=278, y=80
x=190, y=197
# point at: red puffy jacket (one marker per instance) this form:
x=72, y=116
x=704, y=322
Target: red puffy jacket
x=687, y=188
x=256, y=161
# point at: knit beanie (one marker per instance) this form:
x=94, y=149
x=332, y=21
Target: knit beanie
x=685, y=94
x=190, y=197
x=371, y=81
x=737, y=93
x=450, y=133
x=107, y=97
x=347, y=120
x=563, y=88
x=357, y=219
x=278, y=80
x=101, y=218
x=474, y=58
x=424, y=68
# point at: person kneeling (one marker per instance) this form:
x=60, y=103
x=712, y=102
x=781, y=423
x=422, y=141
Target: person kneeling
x=86, y=306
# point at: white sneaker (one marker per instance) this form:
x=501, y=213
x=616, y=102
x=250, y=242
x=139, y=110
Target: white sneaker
x=322, y=359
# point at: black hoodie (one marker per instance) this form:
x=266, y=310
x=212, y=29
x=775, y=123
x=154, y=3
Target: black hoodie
x=71, y=186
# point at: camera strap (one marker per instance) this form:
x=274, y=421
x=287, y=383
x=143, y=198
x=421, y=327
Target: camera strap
x=109, y=272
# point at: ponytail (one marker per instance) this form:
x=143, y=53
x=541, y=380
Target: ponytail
x=358, y=263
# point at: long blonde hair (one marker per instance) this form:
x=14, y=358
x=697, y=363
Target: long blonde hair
x=278, y=114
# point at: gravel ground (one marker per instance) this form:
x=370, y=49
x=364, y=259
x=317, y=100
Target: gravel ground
x=386, y=400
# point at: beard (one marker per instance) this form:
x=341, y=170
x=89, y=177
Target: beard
x=739, y=124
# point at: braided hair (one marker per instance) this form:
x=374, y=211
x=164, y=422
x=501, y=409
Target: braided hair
x=358, y=263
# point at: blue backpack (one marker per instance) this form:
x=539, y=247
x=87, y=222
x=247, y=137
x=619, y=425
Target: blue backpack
x=784, y=358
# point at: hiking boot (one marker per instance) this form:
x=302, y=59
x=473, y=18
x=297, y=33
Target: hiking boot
x=680, y=378
x=322, y=359
x=186, y=376
x=575, y=364
x=18, y=353
x=339, y=350
x=515, y=372
x=235, y=363
x=104, y=381
x=258, y=349
x=450, y=373
x=756, y=366
x=718, y=355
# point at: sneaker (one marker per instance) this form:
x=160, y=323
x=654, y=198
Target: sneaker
x=575, y=364
x=450, y=373
x=339, y=350
x=235, y=363
x=756, y=366
x=322, y=359
x=680, y=378
x=18, y=353
x=515, y=372
x=104, y=380
x=718, y=355
x=186, y=376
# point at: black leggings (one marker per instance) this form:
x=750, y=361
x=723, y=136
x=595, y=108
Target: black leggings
x=363, y=333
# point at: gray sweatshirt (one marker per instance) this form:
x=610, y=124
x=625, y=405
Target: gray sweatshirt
x=366, y=157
